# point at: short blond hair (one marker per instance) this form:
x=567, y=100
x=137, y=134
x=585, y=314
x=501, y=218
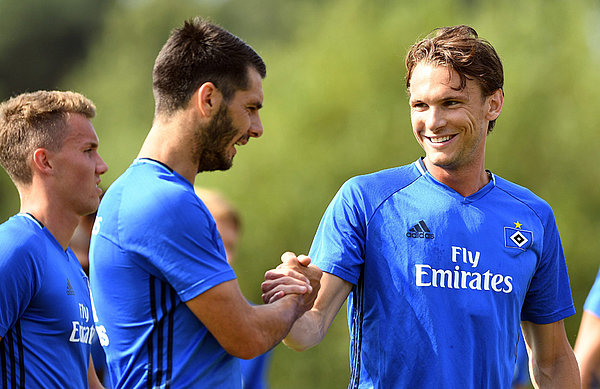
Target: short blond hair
x=36, y=120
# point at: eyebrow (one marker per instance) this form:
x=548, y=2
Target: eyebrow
x=93, y=145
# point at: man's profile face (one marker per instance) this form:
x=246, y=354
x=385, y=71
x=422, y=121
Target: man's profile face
x=233, y=125
x=78, y=166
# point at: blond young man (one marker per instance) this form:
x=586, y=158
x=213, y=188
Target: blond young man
x=48, y=147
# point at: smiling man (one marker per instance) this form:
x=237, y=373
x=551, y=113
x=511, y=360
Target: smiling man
x=48, y=147
x=442, y=260
x=170, y=310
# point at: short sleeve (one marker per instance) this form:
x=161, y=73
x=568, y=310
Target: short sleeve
x=180, y=241
x=549, y=296
x=592, y=302
x=339, y=243
x=20, y=275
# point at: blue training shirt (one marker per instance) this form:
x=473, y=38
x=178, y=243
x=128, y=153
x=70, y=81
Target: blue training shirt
x=154, y=246
x=441, y=281
x=46, y=321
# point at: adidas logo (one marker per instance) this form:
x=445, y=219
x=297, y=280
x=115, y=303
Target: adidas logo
x=70, y=290
x=420, y=231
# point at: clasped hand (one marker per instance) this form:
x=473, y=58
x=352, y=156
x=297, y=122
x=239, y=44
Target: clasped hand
x=295, y=275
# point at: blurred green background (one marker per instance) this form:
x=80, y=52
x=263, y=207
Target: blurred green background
x=335, y=106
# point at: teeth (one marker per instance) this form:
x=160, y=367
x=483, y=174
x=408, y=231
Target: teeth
x=440, y=139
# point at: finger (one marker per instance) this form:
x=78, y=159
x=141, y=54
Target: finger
x=270, y=297
x=304, y=260
x=292, y=289
x=276, y=297
x=275, y=294
x=276, y=274
x=287, y=256
x=276, y=284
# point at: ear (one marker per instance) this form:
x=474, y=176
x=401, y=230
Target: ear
x=41, y=162
x=495, y=103
x=208, y=99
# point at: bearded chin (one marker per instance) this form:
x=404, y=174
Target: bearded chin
x=211, y=161
x=213, y=140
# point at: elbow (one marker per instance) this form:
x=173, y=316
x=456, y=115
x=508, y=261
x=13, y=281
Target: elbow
x=245, y=353
x=295, y=345
x=246, y=348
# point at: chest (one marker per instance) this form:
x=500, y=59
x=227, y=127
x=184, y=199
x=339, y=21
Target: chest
x=441, y=242
x=62, y=306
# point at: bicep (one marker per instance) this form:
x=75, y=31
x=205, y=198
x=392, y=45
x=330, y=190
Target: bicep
x=545, y=340
x=553, y=362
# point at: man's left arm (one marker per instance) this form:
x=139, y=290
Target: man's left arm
x=93, y=380
x=552, y=361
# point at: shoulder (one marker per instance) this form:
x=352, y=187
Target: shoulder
x=19, y=236
x=524, y=196
x=378, y=186
x=150, y=193
x=24, y=252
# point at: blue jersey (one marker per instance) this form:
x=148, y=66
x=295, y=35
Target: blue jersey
x=46, y=322
x=155, y=246
x=592, y=302
x=521, y=375
x=255, y=371
x=441, y=281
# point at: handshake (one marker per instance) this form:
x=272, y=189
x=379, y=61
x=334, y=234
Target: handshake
x=294, y=276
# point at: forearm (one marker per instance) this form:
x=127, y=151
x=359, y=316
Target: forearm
x=563, y=373
x=274, y=321
x=264, y=327
x=306, y=332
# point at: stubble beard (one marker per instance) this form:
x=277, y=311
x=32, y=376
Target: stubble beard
x=212, y=142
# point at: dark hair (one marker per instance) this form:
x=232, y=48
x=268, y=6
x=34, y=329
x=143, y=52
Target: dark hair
x=201, y=52
x=460, y=48
x=36, y=120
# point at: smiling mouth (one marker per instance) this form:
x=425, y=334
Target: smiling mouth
x=242, y=141
x=440, y=139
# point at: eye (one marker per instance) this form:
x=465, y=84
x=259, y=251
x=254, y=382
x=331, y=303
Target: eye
x=419, y=106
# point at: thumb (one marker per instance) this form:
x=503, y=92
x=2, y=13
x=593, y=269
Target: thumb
x=304, y=260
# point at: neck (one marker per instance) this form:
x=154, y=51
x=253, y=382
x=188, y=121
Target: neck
x=169, y=142
x=51, y=214
x=465, y=181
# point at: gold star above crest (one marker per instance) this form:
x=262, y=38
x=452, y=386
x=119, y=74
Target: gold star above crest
x=518, y=225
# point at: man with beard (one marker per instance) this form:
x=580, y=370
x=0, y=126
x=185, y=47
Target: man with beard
x=169, y=308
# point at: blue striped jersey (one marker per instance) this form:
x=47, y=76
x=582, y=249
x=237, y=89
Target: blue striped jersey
x=46, y=321
x=155, y=246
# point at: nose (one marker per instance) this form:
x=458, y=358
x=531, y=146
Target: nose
x=101, y=166
x=256, y=128
x=436, y=118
